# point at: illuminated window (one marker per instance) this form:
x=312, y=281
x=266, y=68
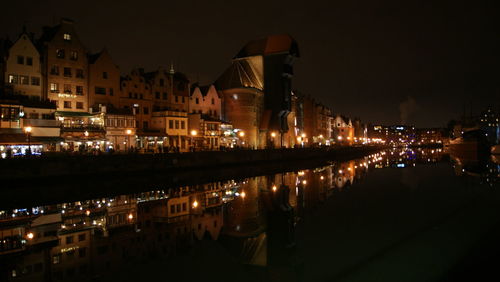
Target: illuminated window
x=54, y=87
x=67, y=37
x=13, y=78
x=24, y=79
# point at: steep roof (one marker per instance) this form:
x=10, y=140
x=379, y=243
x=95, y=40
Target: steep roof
x=273, y=44
x=241, y=74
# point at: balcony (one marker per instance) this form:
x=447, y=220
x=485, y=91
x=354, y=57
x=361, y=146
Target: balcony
x=42, y=122
x=83, y=127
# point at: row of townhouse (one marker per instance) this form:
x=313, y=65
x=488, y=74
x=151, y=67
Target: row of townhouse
x=69, y=99
x=251, y=104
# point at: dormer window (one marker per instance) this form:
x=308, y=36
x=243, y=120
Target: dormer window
x=67, y=37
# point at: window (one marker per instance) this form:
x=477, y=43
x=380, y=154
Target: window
x=162, y=82
x=79, y=73
x=184, y=207
x=67, y=88
x=145, y=125
x=141, y=97
x=79, y=90
x=171, y=124
x=13, y=78
x=135, y=95
x=54, y=87
x=111, y=92
x=73, y=55
x=100, y=90
x=178, y=207
x=183, y=125
x=146, y=110
x=35, y=80
x=82, y=251
x=60, y=53
x=164, y=95
x=67, y=37
x=183, y=101
x=24, y=79
x=20, y=60
x=33, y=115
x=69, y=239
x=79, y=105
x=67, y=72
x=176, y=124
x=172, y=209
x=67, y=104
x=176, y=99
x=54, y=70
x=213, y=101
x=29, y=61
x=197, y=101
x=56, y=259
x=157, y=95
x=105, y=75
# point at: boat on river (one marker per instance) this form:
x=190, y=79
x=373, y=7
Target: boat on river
x=473, y=143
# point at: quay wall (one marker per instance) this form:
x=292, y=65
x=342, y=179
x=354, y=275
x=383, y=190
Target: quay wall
x=23, y=168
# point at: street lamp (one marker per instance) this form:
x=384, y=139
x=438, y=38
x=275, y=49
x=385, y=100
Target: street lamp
x=241, y=134
x=28, y=132
x=193, y=134
x=128, y=132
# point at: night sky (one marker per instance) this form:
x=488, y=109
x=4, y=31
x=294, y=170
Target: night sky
x=417, y=62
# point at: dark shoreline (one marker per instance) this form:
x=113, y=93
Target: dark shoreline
x=152, y=172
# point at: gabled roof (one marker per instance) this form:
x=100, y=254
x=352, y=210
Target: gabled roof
x=241, y=74
x=273, y=44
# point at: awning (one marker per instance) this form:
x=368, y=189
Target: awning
x=73, y=114
x=47, y=139
x=17, y=139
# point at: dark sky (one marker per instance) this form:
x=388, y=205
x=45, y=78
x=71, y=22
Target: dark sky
x=382, y=61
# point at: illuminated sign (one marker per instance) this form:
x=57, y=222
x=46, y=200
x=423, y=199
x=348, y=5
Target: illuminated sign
x=64, y=95
x=65, y=250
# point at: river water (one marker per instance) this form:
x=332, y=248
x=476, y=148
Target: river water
x=397, y=215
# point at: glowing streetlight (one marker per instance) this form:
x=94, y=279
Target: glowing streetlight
x=30, y=235
x=86, y=133
x=193, y=134
x=275, y=188
x=273, y=134
x=130, y=216
x=241, y=134
x=195, y=204
x=243, y=194
x=28, y=130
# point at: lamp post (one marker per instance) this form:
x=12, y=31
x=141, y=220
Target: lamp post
x=28, y=132
x=241, y=134
x=128, y=132
x=193, y=134
x=273, y=135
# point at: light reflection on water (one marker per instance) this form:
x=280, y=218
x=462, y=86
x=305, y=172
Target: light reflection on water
x=253, y=221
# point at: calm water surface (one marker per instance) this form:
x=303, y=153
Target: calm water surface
x=398, y=215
